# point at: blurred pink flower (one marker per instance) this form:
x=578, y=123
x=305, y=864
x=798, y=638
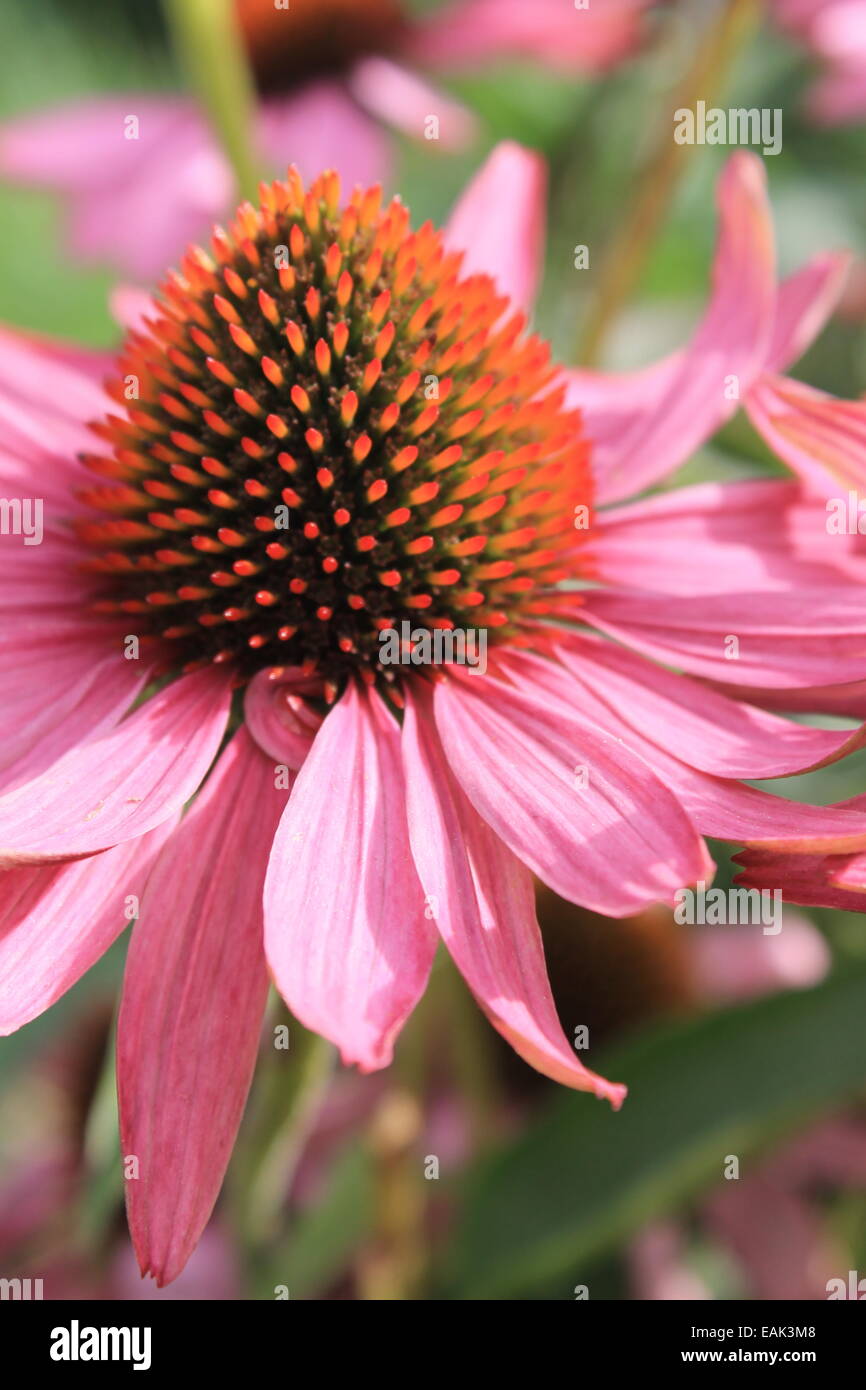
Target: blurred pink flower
x=770, y=1222
x=291, y=369
x=739, y=961
x=142, y=175
x=835, y=32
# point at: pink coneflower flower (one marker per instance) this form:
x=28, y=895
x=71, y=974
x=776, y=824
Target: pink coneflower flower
x=835, y=33
x=331, y=426
x=142, y=174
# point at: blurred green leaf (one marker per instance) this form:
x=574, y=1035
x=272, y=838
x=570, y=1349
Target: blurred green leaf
x=584, y=1178
x=524, y=101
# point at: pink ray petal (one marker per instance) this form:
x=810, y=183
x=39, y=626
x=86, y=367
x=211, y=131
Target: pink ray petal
x=707, y=730
x=822, y=438
x=586, y=814
x=193, y=1000
x=844, y=700
x=780, y=643
x=123, y=784
x=725, y=809
x=41, y=587
x=509, y=245
x=482, y=901
x=346, y=937
x=821, y=880
x=758, y=533
x=56, y=695
x=805, y=302
x=56, y=920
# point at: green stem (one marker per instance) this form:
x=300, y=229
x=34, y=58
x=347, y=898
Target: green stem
x=294, y=1084
x=472, y=1054
x=392, y=1268
x=628, y=253
x=208, y=41
x=102, y=1194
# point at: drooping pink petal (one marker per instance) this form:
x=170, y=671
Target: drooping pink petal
x=56, y=920
x=586, y=814
x=822, y=438
x=482, y=901
x=346, y=936
x=123, y=784
x=498, y=221
x=321, y=127
x=768, y=639
x=684, y=400
x=756, y=534
x=402, y=99
x=820, y=880
x=720, y=807
x=193, y=999
x=732, y=811
x=699, y=726
x=586, y=39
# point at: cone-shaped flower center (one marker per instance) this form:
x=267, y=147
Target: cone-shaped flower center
x=296, y=41
x=326, y=432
